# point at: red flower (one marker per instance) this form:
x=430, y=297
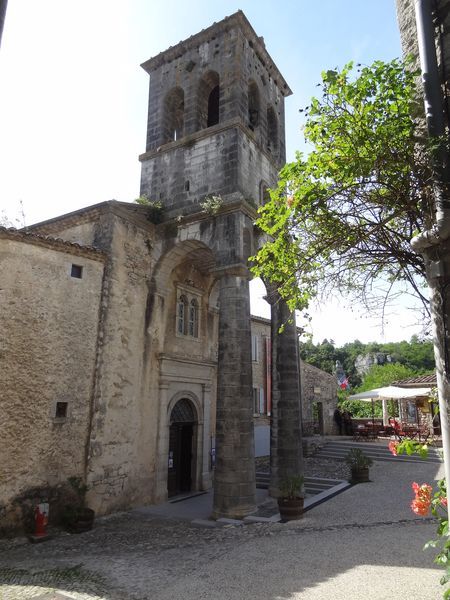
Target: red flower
x=443, y=501
x=420, y=508
x=393, y=447
x=422, y=501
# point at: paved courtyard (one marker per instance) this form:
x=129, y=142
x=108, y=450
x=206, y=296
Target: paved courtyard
x=363, y=543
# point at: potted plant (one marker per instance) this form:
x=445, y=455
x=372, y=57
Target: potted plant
x=76, y=517
x=290, y=501
x=359, y=464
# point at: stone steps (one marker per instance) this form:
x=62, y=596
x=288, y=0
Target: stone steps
x=338, y=450
x=313, y=485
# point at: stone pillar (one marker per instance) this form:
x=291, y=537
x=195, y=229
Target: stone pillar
x=286, y=453
x=206, y=459
x=234, y=477
x=163, y=444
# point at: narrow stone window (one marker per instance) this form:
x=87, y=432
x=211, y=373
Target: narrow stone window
x=264, y=195
x=76, y=271
x=255, y=348
x=173, y=115
x=272, y=130
x=253, y=105
x=259, y=403
x=182, y=314
x=193, y=318
x=61, y=410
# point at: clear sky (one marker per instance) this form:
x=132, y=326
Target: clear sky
x=73, y=99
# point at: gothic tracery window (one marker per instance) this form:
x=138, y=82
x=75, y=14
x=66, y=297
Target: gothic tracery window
x=182, y=314
x=193, y=318
x=187, y=315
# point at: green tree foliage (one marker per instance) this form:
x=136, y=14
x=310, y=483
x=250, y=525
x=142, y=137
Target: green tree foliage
x=342, y=217
x=417, y=356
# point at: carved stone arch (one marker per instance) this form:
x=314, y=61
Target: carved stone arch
x=194, y=401
x=208, y=100
x=201, y=255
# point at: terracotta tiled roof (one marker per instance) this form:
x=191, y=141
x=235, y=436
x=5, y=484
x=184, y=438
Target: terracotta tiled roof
x=417, y=381
x=51, y=242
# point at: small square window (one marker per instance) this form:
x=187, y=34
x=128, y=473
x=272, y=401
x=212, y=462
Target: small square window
x=76, y=271
x=61, y=410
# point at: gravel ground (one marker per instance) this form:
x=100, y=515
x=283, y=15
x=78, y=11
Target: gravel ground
x=364, y=544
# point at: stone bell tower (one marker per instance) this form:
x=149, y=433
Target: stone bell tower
x=216, y=128
x=215, y=119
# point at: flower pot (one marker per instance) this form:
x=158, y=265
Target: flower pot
x=360, y=474
x=290, y=509
x=79, y=520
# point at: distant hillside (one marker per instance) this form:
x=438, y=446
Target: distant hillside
x=356, y=357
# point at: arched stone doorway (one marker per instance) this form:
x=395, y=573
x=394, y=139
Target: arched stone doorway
x=182, y=459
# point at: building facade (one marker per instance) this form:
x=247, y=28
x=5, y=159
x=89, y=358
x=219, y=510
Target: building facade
x=128, y=346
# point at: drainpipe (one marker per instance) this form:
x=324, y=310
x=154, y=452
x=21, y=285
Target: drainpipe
x=3, y=4
x=430, y=243
x=434, y=114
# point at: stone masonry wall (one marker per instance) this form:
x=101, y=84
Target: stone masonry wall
x=48, y=325
x=318, y=386
x=123, y=442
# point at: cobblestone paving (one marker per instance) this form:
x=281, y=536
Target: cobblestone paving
x=112, y=561
x=127, y=557
x=137, y=556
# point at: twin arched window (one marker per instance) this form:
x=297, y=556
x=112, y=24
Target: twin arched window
x=187, y=316
x=208, y=103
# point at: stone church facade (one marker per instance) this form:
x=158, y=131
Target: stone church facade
x=127, y=350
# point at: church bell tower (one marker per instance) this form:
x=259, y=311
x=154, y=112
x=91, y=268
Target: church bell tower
x=215, y=119
x=216, y=129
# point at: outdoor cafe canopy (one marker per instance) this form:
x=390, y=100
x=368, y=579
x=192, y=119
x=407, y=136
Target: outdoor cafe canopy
x=390, y=392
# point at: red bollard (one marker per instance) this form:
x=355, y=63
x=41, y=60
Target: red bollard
x=40, y=523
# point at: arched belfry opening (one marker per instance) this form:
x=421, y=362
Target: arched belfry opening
x=254, y=107
x=272, y=130
x=209, y=100
x=182, y=431
x=173, y=119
